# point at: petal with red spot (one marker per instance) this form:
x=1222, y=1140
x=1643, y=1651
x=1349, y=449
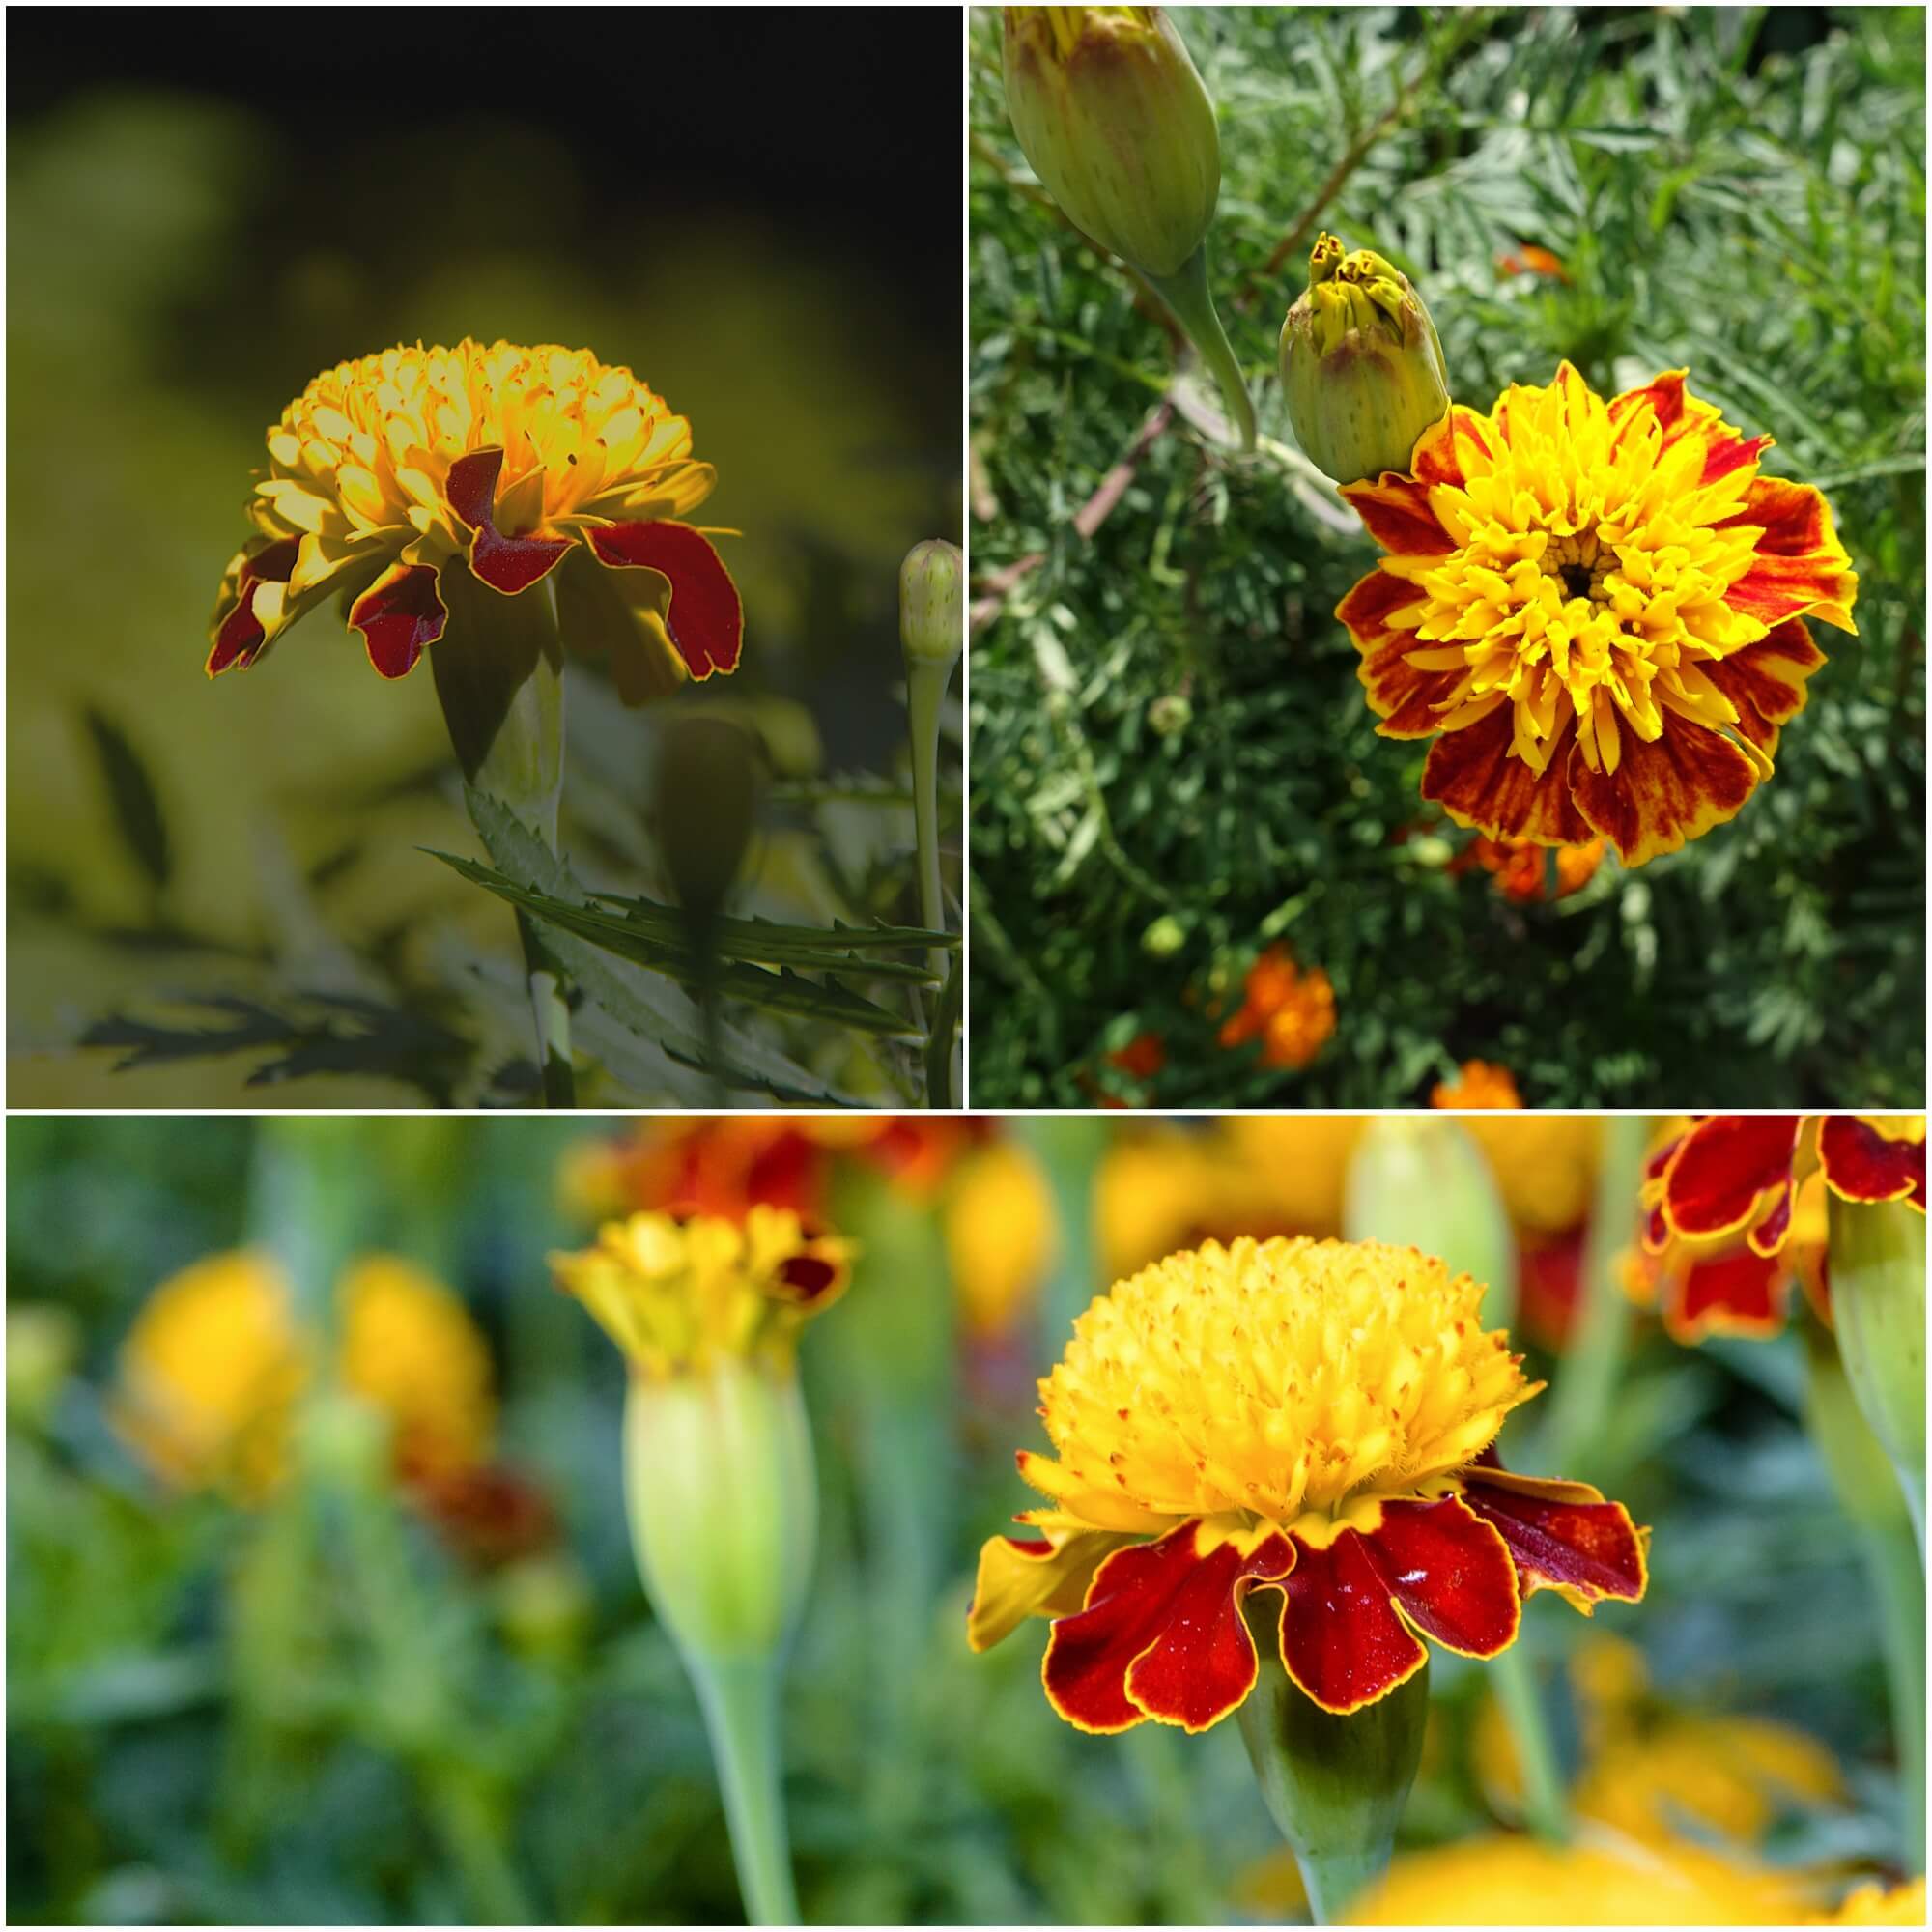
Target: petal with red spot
x=1473, y=776
x=1665, y=793
x=400, y=615
x=1725, y=1166
x=1161, y=1636
x=1562, y=1536
x=705, y=620
x=507, y=564
x=1862, y=1164
x=238, y=636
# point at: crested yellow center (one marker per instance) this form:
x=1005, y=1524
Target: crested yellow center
x=1289, y=1382
x=364, y=453
x=1588, y=578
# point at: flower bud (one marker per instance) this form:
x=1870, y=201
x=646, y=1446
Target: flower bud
x=1877, y=1271
x=43, y=1346
x=707, y=802
x=1164, y=937
x=1361, y=368
x=1115, y=120
x=1169, y=715
x=932, y=608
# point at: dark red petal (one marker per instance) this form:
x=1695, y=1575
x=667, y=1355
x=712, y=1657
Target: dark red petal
x=706, y=621
x=1472, y=774
x=1451, y=1574
x=400, y=615
x=1736, y=1293
x=506, y=564
x=1767, y=1235
x=1341, y=1639
x=1395, y=510
x=1860, y=1164
x=239, y=637
x=1766, y=680
x=1563, y=1536
x=1725, y=1164
x=1161, y=1636
x=1665, y=792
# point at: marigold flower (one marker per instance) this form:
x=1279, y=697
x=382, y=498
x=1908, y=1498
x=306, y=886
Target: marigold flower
x=1596, y=609
x=1530, y=260
x=1315, y=1418
x=678, y=1297
x=1293, y=1011
x=412, y=480
x=1874, y=1904
x=216, y=1359
x=1000, y=1236
x=1480, y=1084
x=1522, y=870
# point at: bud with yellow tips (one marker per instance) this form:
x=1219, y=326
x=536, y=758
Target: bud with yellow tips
x=1361, y=367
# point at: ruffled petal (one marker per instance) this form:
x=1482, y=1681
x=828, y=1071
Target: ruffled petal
x=618, y=618
x=1032, y=1577
x=705, y=619
x=1162, y=1634
x=1799, y=566
x=1401, y=696
x=1665, y=792
x=237, y=636
x=506, y=564
x=1454, y=450
x=1766, y=681
x=1473, y=776
x=1562, y=1536
x=1449, y=1573
x=400, y=615
x=1862, y=1164
x=1396, y=514
x=1342, y=1640
x=1726, y=1169
x=1103, y=1508
x=1679, y=414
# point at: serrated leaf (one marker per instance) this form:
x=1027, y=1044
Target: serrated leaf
x=137, y=808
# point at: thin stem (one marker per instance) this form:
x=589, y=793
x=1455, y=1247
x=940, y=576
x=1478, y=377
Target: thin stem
x=926, y=690
x=472, y=1826
x=1900, y=1578
x=1185, y=293
x=740, y=1699
x=552, y=1013
x=1521, y=1699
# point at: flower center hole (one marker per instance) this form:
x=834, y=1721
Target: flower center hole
x=1576, y=578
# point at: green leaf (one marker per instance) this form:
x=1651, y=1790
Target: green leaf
x=137, y=810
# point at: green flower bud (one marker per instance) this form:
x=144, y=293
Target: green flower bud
x=1169, y=715
x=1361, y=368
x=1115, y=120
x=932, y=606
x=43, y=1344
x=708, y=801
x=1164, y=938
x=1876, y=1262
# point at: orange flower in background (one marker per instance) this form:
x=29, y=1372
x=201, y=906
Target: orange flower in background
x=1530, y=260
x=1480, y=1084
x=1289, y=1010
x=430, y=485
x=1525, y=872
x=1595, y=611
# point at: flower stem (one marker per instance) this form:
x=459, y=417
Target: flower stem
x=1185, y=294
x=1900, y=1578
x=1521, y=1699
x=926, y=690
x=740, y=1699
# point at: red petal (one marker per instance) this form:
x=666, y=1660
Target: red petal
x=1862, y=1164
x=1451, y=1574
x=1792, y=516
x=400, y=615
x=1398, y=516
x=1665, y=793
x=1398, y=693
x=1563, y=1536
x=1734, y=1293
x=1766, y=680
x=1161, y=1636
x=1472, y=774
x=506, y=564
x=1341, y=1639
x=706, y=620
x=1725, y=1165
x=1438, y=456
x=238, y=636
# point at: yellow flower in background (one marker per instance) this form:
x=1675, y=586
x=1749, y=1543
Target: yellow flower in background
x=1546, y=1165
x=1602, y=1879
x=1000, y=1235
x=414, y=481
x=680, y=1297
x=1880, y=1905
x=1596, y=611
x=215, y=1362
x=1292, y=1166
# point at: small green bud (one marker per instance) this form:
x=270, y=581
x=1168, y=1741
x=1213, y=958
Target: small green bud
x=1164, y=938
x=1876, y=1263
x=1169, y=715
x=708, y=801
x=932, y=605
x=1361, y=367
x=1115, y=120
x=44, y=1343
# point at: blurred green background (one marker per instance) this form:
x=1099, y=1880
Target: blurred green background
x=342, y=1698
x=202, y=217
x=1173, y=761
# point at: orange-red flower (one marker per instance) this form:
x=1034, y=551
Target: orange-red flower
x=1530, y=260
x=1595, y=611
x=1292, y=1011
x=1317, y=1419
x=1525, y=872
x=1480, y=1084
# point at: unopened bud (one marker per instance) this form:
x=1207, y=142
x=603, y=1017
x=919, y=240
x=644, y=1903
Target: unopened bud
x=1164, y=938
x=1115, y=120
x=1877, y=1271
x=1361, y=368
x=932, y=606
x=1169, y=715
x=707, y=798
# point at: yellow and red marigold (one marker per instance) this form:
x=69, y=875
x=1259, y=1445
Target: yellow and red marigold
x=1314, y=1418
x=1733, y=1210
x=405, y=479
x=1596, y=611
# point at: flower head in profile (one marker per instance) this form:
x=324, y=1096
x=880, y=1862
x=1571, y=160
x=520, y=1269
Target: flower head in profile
x=1316, y=1419
x=419, y=482
x=1596, y=609
x=680, y=1297
x=1290, y=1010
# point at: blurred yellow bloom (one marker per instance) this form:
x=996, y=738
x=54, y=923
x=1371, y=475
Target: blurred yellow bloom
x=1875, y=1905
x=217, y=1358
x=1602, y=1879
x=1546, y=1165
x=1000, y=1235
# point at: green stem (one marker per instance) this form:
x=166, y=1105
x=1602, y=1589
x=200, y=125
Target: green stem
x=1898, y=1578
x=1069, y=1147
x=473, y=1828
x=1521, y=1699
x=926, y=680
x=740, y=1699
x=1185, y=294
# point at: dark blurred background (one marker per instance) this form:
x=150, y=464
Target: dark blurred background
x=758, y=211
